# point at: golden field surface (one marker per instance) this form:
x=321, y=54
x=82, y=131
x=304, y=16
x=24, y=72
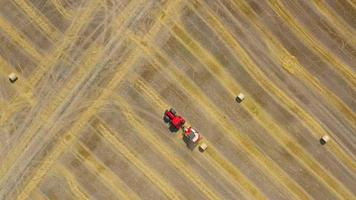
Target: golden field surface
x=84, y=120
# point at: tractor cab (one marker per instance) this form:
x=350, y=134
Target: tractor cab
x=170, y=116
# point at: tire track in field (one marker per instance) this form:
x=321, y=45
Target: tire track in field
x=49, y=61
x=83, y=71
x=153, y=176
x=39, y=19
x=287, y=142
x=221, y=163
x=165, y=151
x=288, y=64
x=229, y=83
x=317, y=47
x=352, y=3
x=268, y=123
x=45, y=115
x=9, y=111
x=66, y=13
x=106, y=176
x=77, y=190
x=38, y=195
x=71, y=36
x=239, y=140
x=2, y=104
x=294, y=67
x=74, y=30
x=19, y=39
x=70, y=136
x=345, y=30
x=316, y=129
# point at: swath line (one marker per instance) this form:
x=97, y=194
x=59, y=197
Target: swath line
x=7, y=113
x=70, y=36
x=100, y=170
x=39, y=19
x=61, y=9
x=154, y=177
x=19, y=39
x=290, y=105
x=69, y=137
x=214, y=157
x=336, y=20
x=240, y=140
x=130, y=61
x=289, y=62
x=317, y=47
x=38, y=195
x=46, y=114
x=294, y=149
x=82, y=70
x=165, y=151
x=74, y=185
x=38, y=74
x=175, y=73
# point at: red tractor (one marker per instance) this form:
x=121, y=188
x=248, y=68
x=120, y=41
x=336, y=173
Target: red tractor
x=176, y=121
x=191, y=136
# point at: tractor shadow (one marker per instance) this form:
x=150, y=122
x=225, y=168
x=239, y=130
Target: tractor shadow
x=172, y=129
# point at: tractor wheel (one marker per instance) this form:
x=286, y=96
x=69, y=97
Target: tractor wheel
x=166, y=118
x=173, y=111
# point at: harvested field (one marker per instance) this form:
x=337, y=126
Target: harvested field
x=84, y=120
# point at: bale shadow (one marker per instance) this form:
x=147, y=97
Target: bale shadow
x=322, y=142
